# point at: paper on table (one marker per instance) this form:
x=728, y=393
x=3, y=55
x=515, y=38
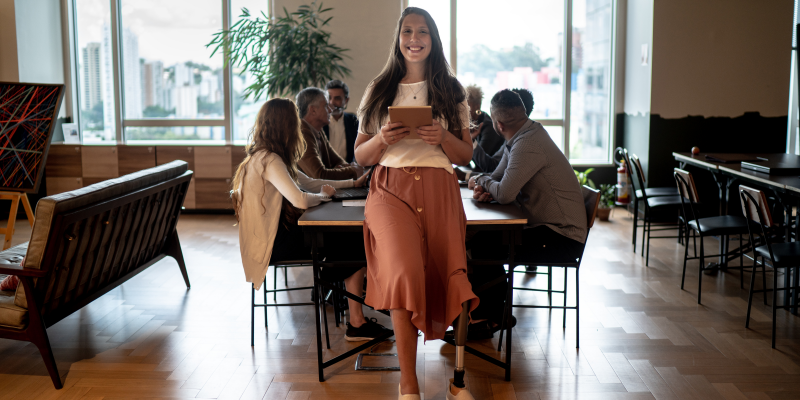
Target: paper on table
x=354, y=203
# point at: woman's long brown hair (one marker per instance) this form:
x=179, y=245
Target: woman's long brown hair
x=445, y=93
x=277, y=130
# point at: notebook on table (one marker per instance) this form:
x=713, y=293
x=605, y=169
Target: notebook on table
x=778, y=164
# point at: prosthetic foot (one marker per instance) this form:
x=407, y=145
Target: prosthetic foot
x=457, y=383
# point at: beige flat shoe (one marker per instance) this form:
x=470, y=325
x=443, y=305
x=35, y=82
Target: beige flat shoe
x=464, y=394
x=408, y=396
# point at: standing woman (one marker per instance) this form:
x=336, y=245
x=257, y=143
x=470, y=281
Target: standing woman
x=414, y=223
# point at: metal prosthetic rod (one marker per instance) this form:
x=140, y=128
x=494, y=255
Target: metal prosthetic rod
x=460, y=327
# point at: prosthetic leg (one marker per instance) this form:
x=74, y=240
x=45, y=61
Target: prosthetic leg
x=460, y=330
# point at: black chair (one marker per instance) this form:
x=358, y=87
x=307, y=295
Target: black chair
x=773, y=255
x=656, y=210
x=286, y=264
x=723, y=226
x=591, y=199
x=637, y=194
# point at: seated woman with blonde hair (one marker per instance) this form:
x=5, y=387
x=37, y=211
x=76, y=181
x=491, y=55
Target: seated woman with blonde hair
x=268, y=200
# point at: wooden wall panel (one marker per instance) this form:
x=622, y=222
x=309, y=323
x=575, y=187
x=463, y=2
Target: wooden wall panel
x=63, y=161
x=165, y=154
x=100, y=162
x=56, y=185
x=237, y=156
x=92, y=181
x=135, y=158
x=212, y=162
x=212, y=194
x=189, y=201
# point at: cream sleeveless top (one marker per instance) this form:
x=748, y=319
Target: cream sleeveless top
x=411, y=152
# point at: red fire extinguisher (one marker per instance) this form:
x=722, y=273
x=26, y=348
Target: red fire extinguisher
x=623, y=185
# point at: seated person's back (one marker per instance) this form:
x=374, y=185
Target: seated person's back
x=535, y=174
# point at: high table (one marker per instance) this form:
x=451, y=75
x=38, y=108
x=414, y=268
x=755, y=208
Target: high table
x=786, y=189
x=334, y=217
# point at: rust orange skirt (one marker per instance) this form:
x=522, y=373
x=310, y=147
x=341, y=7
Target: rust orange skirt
x=414, y=231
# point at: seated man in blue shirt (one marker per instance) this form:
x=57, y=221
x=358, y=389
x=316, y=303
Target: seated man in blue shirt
x=534, y=175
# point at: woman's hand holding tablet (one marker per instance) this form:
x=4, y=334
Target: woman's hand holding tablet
x=393, y=132
x=432, y=134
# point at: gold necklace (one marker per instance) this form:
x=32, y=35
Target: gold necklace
x=417, y=91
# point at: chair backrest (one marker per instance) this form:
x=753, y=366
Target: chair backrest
x=89, y=238
x=636, y=166
x=591, y=200
x=686, y=186
x=755, y=207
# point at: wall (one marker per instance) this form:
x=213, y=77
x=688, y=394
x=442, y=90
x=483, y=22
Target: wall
x=9, y=68
x=39, y=43
x=718, y=72
x=31, y=42
x=721, y=58
x=366, y=28
x=638, y=77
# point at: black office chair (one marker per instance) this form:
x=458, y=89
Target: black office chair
x=656, y=210
x=591, y=199
x=723, y=226
x=637, y=194
x=773, y=255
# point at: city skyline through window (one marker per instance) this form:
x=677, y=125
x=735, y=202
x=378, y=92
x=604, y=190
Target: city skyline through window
x=167, y=74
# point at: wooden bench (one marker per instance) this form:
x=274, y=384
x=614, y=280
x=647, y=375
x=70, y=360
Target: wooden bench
x=87, y=242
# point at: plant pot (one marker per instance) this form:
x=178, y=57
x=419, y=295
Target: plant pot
x=603, y=213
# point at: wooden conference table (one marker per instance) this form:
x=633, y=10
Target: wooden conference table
x=334, y=217
x=786, y=189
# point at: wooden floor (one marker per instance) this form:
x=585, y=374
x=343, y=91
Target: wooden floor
x=641, y=336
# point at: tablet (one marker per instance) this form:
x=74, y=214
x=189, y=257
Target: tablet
x=412, y=117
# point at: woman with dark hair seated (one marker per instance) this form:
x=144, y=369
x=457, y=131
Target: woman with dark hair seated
x=268, y=200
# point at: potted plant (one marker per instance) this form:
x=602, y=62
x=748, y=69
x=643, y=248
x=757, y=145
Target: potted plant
x=283, y=55
x=606, y=201
x=583, y=177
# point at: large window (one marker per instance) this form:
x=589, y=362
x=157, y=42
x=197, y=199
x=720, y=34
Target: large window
x=145, y=73
x=95, y=66
x=530, y=44
x=245, y=110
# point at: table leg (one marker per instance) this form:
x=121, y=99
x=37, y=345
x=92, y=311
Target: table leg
x=509, y=300
x=722, y=185
x=317, y=298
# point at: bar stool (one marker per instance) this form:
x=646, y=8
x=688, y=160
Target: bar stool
x=723, y=226
x=655, y=209
x=773, y=255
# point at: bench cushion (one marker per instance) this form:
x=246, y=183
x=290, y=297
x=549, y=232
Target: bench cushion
x=11, y=315
x=51, y=206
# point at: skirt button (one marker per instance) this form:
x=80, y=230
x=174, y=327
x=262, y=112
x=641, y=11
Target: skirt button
x=419, y=209
x=416, y=177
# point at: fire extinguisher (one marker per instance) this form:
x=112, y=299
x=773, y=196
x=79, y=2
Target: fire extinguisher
x=623, y=185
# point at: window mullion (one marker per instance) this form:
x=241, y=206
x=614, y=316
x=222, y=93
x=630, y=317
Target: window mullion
x=227, y=84
x=117, y=70
x=567, y=46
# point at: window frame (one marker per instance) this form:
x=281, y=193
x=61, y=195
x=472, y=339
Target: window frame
x=118, y=85
x=69, y=7
x=564, y=121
